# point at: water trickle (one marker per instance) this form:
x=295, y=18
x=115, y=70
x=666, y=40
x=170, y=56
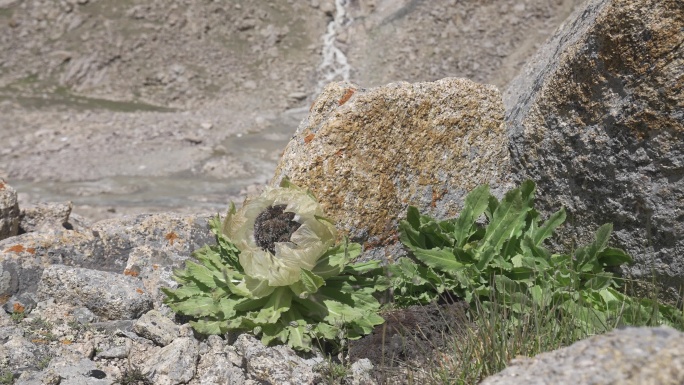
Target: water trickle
x=334, y=66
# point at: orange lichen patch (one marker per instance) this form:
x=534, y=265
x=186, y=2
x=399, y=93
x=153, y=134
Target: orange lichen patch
x=131, y=272
x=436, y=196
x=2, y=186
x=155, y=267
x=16, y=249
x=347, y=94
x=139, y=291
x=309, y=138
x=171, y=237
x=18, y=308
x=66, y=342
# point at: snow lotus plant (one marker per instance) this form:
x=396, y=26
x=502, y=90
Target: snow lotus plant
x=276, y=272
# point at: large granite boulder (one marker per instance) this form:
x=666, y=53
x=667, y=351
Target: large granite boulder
x=368, y=154
x=632, y=356
x=597, y=120
x=9, y=211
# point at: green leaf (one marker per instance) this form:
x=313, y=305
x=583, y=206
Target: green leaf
x=195, y=306
x=413, y=217
x=310, y=283
x=613, y=257
x=278, y=303
x=257, y=287
x=208, y=326
x=475, y=204
x=547, y=229
x=509, y=218
x=438, y=258
x=200, y=274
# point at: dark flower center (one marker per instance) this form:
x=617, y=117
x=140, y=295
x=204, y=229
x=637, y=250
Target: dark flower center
x=274, y=225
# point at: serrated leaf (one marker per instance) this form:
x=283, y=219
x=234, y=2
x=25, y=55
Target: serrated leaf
x=200, y=274
x=183, y=292
x=475, y=204
x=546, y=230
x=208, y=326
x=527, y=189
x=310, y=282
x=278, y=303
x=614, y=257
x=438, y=258
x=341, y=313
x=334, y=261
x=258, y=288
x=508, y=219
x=326, y=331
x=195, y=306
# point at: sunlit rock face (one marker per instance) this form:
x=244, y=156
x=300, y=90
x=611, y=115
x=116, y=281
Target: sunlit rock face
x=369, y=153
x=597, y=120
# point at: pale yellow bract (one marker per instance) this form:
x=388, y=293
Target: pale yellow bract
x=307, y=244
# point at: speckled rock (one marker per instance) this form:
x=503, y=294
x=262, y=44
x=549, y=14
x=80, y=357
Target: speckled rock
x=157, y=328
x=217, y=365
x=109, y=295
x=149, y=246
x=368, y=154
x=175, y=363
x=45, y=216
x=277, y=364
x=597, y=120
x=632, y=356
x=9, y=211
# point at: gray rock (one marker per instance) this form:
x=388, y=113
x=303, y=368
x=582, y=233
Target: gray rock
x=114, y=351
x=45, y=216
x=632, y=356
x=22, y=303
x=83, y=372
x=9, y=211
x=174, y=364
x=368, y=154
x=109, y=295
x=361, y=373
x=154, y=326
x=111, y=327
x=216, y=367
x=275, y=365
x=83, y=315
x=596, y=118
x=167, y=239
x=18, y=353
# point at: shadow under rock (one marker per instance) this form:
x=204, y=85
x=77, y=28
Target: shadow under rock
x=411, y=338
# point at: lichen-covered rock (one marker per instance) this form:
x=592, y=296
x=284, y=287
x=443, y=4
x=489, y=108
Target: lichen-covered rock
x=109, y=295
x=275, y=365
x=157, y=328
x=597, y=120
x=632, y=356
x=45, y=216
x=9, y=211
x=216, y=365
x=151, y=242
x=368, y=154
x=174, y=364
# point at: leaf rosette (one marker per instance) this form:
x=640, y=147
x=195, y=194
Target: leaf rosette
x=275, y=271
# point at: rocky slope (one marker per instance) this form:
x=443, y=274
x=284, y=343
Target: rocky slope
x=136, y=106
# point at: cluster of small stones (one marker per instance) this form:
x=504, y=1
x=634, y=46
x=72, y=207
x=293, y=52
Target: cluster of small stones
x=94, y=313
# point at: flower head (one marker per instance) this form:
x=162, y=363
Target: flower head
x=279, y=233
